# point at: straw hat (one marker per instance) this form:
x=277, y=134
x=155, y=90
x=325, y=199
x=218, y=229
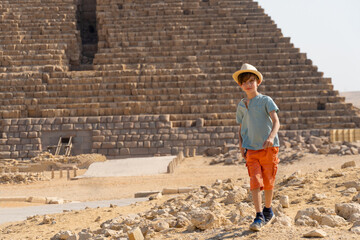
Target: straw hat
x=247, y=68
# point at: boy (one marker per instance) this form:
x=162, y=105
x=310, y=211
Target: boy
x=258, y=141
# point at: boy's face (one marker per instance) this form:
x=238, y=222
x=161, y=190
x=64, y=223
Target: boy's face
x=250, y=85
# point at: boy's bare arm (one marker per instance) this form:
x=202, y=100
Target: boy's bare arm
x=242, y=150
x=275, y=128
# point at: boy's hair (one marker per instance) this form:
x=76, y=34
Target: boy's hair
x=245, y=76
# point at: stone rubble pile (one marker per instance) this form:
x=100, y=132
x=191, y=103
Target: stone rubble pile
x=227, y=205
x=290, y=150
x=45, y=161
x=21, y=178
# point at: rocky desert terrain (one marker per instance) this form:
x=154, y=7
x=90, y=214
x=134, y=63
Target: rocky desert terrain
x=315, y=194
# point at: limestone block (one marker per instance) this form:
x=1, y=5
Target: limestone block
x=37, y=200
x=170, y=191
x=136, y=234
x=98, y=138
x=14, y=141
x=5, y=154
x=13, y=199
x=145, y=194
x=124, y=151
x=108, y=145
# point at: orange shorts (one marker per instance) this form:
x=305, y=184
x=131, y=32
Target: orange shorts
x=262, y=166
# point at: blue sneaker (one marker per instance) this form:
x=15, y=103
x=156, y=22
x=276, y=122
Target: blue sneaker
x=258, y=223
x=268, y=215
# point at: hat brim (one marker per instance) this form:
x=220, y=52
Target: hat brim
x=257, y=73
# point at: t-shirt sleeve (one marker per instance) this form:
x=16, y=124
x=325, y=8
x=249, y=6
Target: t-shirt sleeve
x=239, y=115
x=271, y=105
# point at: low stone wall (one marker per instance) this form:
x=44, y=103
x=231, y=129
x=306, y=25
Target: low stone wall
x=113, y=136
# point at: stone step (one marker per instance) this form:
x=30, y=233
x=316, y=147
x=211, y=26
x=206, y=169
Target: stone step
x=171, y=88
x=178, y=80
x=322, y=123
x=242, y=15
x=176, y=59
x=76, y=93
x=190, y=25
x=236, y=48
x=20, y=69
x=147, y=37
x=58, y=47
x=190, y=32
x=177, y=105
x=147, y=73
x=205, y=43
x=284, y=116
x=19, y=78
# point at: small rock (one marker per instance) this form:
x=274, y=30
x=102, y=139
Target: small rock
x=334, y=149
x=135, y=234
x=318, y=197
x=182, y=221
x=348, y=164
x=316, y=141
x=283, y=220
x=235, y=197
x=353, y=184
x=229, y=161
x=64, y=235
x=155, y=196
x=47, y=220
x=356, y=228
x=306, y=221
x=284, y=201
x=324, y=150
x=354, y=151
x=349, y=192
x=212, y=151
x=356, y=198
x=161, y=225
x=313, y=148
x=286, y=144
x=84, y=235
x=337, y=174
x=318, y=233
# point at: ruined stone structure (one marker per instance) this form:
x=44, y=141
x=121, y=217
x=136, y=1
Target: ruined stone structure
x=148, y=77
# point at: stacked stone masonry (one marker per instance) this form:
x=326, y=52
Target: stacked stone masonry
x=114, y=136
x=154, y=58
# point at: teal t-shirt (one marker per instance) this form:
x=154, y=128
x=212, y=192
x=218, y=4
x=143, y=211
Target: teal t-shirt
x=255, y=121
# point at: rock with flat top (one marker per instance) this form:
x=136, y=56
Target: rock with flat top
x=318, y=233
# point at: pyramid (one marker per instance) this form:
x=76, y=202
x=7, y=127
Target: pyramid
x=156, y=81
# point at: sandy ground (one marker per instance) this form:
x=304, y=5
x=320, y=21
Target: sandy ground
x=193, y=172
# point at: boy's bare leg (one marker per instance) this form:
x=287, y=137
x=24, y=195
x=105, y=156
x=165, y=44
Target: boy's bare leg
x=268, y=197
x=256, y=196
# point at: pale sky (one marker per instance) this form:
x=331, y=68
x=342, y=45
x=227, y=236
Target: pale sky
x=328, y=31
